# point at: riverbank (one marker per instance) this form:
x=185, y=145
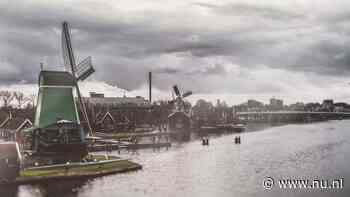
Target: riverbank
x=82, y=170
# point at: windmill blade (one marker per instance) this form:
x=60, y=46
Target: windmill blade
x=176, y=90
x=67, y=50
x=86, y=74
x=65, y=54
x=84, y=69
x=69, y=63
x=186, y=94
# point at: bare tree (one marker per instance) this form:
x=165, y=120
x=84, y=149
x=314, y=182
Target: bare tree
x=6, y=97
x=31, y=99
x=19, y=97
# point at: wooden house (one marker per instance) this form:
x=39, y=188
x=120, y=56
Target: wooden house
x=15, y=122
x=113, y=121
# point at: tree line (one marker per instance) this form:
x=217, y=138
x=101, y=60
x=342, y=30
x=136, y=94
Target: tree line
x=16, y=99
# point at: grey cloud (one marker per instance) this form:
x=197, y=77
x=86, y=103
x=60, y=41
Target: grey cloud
x=124, y=51
x=237, y=9
x=216, y=69
x=167, y=71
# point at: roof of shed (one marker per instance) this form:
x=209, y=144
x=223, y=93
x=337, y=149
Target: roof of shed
x=56, y=78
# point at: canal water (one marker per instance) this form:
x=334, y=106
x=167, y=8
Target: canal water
x=297, y=151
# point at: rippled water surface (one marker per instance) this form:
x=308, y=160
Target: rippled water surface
x=224, y=169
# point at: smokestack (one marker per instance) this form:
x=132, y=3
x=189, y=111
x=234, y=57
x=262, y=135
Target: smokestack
x=150, y=86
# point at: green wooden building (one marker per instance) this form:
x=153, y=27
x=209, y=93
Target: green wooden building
x=57, y=131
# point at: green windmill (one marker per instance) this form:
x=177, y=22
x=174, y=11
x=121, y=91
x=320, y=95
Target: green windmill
x=57, y=130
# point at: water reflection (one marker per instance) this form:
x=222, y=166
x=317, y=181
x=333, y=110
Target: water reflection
x=68, y=188
x=9, y=190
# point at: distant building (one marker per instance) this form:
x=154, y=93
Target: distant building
x=254, y=105
x=341, y=107
x=327, y=105
x=312, y=107
x=299, y=106
x=202, y=111
x=241, y=108
x=276, y=104
x=97, y=99
x=136, y=109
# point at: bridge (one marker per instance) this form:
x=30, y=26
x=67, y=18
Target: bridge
x=290, y=116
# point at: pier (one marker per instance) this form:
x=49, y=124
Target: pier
x=126, y=146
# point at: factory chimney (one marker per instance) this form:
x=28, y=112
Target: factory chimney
x=150, y=86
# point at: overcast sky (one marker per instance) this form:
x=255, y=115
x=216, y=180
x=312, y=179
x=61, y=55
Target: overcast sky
x=295, y=50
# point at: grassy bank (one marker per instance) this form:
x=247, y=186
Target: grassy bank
x=76, y=170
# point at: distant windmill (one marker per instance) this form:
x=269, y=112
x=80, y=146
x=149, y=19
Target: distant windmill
x=178, y=100
x=80, y=72
x=179, y=121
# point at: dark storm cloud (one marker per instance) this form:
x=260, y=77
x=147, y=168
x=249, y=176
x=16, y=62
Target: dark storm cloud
x=326, y=57
x=125, y=46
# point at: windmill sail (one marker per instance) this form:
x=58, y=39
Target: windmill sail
x=84, y=69
x=67, y=51
x=179, y=100
x=176, y=90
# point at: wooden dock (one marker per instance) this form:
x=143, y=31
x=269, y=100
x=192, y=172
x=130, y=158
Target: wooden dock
x=111, y=147
x=130, y=135
x=221, y=128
